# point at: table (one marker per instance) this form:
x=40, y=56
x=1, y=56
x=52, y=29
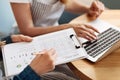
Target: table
x=109, y=67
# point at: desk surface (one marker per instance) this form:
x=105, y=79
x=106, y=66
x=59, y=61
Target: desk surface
x=109, y=67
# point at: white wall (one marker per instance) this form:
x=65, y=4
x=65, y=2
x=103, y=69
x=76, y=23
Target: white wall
x=6, y=18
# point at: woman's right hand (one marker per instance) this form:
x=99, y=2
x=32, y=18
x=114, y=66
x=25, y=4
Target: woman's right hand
x=84, y=30
x=44, y=61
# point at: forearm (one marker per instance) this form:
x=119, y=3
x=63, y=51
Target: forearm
x=24, y=20
x=34, y=31
x=74, y=6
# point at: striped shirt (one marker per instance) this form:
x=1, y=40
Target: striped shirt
x=45, y=13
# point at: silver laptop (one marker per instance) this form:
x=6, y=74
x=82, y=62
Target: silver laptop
x=108, y=41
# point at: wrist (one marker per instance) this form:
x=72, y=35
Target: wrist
x=7, y=39
x=12, y=38
x=34, y=68
x=67, y=26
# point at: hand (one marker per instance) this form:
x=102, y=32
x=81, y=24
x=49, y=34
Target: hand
x=96, y=9
x=85, y=31
x=21, y=38
x=44, y=62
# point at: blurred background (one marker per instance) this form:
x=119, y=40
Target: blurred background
x=111, y=4
x=7, y=21
x=6, y=18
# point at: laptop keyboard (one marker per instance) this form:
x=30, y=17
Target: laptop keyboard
x=105, y=40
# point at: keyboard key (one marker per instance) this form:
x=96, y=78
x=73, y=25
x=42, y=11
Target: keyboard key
x=105, y=40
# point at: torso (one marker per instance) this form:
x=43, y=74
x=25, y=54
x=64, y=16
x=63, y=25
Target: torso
x=46, y=13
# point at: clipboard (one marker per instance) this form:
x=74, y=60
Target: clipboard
x=17, y=56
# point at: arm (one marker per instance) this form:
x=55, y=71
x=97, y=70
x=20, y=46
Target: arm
x=42, y=63
x=24, y=19
x=94, y=10
x=27, y=74
x=74, y=6
x=17, y=38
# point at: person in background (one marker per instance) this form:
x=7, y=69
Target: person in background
x=37, y=17
x=41, y=65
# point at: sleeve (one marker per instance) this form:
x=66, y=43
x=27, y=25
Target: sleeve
x=27, y=74
x=20, y=1
x=7, y=39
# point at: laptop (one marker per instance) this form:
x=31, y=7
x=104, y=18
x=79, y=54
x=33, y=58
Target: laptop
x=108, y=41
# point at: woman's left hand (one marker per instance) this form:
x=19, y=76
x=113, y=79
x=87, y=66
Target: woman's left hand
x=96, y=9
x=21, y=38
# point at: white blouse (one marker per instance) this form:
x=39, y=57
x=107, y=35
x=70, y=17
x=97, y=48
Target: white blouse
x=29, y=1
x=44, y=12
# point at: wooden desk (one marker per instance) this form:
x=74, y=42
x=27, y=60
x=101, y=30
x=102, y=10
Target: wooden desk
x=109, y=67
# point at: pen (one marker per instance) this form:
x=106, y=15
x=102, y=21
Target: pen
x=39, y=52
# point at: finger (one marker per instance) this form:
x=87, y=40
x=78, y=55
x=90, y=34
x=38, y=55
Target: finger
x=37, y=57
x=100, y=8
x=90, y=27
x=40, y=52
x=101, y=5
x=53, y=54
x=91, y=32
x=94, y=13
x=94, y=6
x=51, y=51
x=54, y=57
x=22, y=38
x=28, y=39
x=36, y=60
x=97, y=7
x=15, y=38
x=86, y=37
x=90, y=36
x=84, y=31
x=25, y=38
